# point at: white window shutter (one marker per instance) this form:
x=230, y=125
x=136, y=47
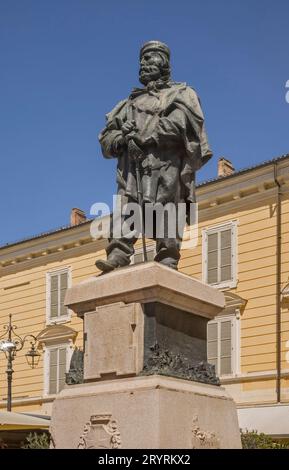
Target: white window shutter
x=53, y=372
x=212, y=343
x=205, y=255
x=225, y=347
x=61, y=368
x=57, y=369
x=212, y=258
x=220, y=343
x=233, y=251
x=138, y=258
x=63, y=289
x=225, y=255
x=57, y=284
x=219, y=255
x=53, y=296
x=150, y=255
x=138, y=255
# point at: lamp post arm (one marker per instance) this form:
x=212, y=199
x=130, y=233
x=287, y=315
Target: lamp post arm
x=29, y=336
x=12, y=344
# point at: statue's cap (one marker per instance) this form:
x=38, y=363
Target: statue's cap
x=155, y=46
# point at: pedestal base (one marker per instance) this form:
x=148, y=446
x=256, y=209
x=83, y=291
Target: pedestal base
x=145, y=413
x=145, y=334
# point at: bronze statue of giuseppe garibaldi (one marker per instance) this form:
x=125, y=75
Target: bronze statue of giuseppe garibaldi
x=165, y=122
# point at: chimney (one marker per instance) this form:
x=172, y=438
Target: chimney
x=77, y=216
x=225, y=167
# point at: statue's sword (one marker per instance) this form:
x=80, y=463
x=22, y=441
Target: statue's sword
x=135, y=153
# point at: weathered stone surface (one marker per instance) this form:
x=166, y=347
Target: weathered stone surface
x=101, y=432
x=114, y=341
x=170, y=310
x=146, y=283
x=154, y=412
x=148, y=344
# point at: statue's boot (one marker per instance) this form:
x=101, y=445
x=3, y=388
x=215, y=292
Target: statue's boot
x=170, y=262
x=104, y=265
x=112, y=262
x=164, y=256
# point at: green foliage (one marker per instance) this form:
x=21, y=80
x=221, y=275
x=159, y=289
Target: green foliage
x=254, y=440
x=37, y=441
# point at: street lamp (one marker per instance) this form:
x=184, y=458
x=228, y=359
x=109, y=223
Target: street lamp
x=10, y=346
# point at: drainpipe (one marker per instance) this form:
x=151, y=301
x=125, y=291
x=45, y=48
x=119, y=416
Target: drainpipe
x=278, y=285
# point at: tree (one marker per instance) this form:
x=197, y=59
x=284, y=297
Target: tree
x=255, y=440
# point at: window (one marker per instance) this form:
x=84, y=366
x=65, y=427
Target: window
x=219, y=255
x=57, y=284
x=223, y=344
x=57, y=360
x=138, y=255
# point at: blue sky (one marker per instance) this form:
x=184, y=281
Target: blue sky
x=66, y=63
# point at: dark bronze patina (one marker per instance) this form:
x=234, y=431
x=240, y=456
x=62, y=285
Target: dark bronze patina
x=159, y=139
x=75, y=373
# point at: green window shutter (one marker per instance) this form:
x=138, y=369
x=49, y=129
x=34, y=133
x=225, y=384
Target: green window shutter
x=63, y=289
x=62, y=368
x=54, y=296
x=212, y=343
x=226, y=255
x=53, y=359
x=212, y=258
x=225, y=347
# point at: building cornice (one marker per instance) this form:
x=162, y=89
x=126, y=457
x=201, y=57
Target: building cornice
x=52, y=247
x=234, y=193
x=259, y=181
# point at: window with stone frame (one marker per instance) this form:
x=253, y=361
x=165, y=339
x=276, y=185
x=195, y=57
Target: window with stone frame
x=223, y=344
x=57, y=364
x=220, y=255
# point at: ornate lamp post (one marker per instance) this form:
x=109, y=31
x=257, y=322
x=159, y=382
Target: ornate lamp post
x=10, y=346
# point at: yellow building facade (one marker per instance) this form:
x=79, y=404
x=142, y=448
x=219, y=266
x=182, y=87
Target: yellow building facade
x=242, y=249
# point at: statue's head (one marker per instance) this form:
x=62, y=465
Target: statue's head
x=154, y=62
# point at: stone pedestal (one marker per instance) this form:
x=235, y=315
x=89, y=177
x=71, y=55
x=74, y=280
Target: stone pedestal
x=154, y=412
x=146, y=383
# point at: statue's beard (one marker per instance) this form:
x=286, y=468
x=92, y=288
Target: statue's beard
x=149, y=73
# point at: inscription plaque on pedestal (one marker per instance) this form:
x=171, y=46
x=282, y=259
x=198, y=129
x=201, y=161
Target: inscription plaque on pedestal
x=114, y=341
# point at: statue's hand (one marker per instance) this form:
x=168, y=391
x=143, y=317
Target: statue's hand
x=140, y=141
x=130, y=135
x=128, y=127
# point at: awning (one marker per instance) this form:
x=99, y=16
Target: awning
x=268, y=419
x=17, y=421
